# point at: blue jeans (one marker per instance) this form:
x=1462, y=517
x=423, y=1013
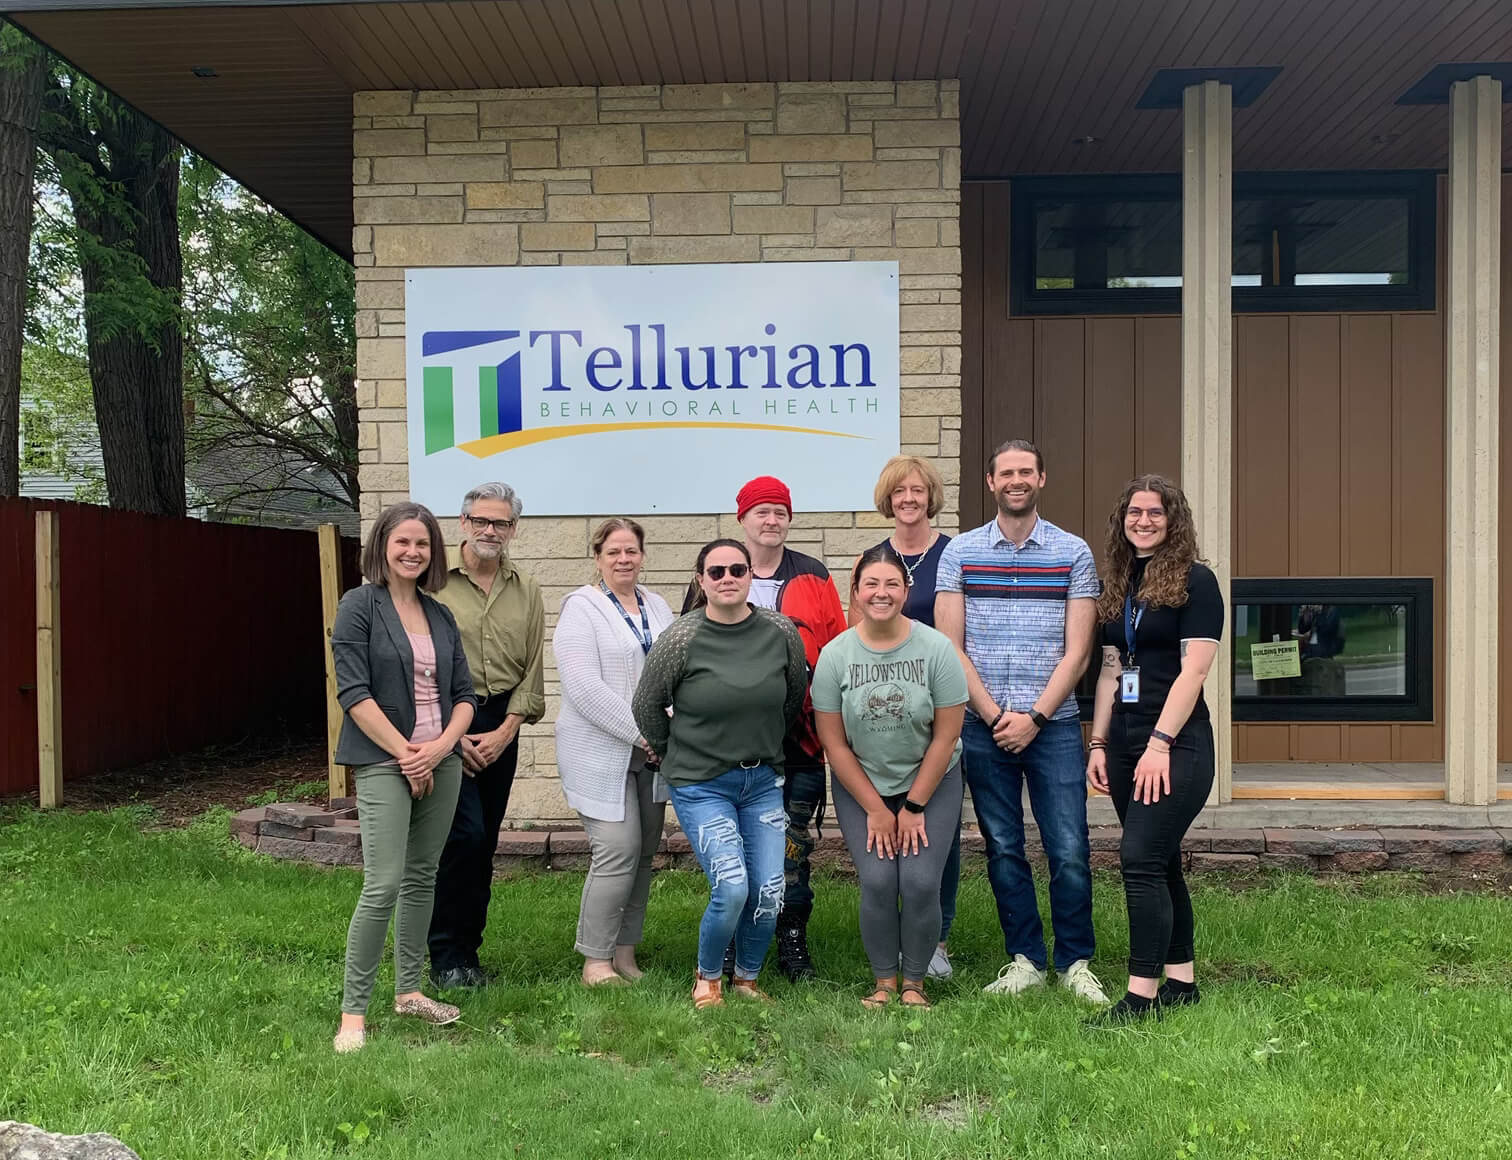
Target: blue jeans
x=1054, y=766
x=950, y=887
x=737, y=827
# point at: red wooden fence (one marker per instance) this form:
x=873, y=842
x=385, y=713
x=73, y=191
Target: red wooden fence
x=175, y=634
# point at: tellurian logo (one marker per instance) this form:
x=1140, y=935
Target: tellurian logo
x=603, y=385
x=499, y=406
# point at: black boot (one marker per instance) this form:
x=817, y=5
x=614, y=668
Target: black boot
x=792, y=946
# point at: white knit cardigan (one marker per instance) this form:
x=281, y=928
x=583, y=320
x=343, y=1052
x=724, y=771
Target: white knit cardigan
x=599, y=662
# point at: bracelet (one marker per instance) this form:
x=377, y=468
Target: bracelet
x=1166, y=737
x=912, y=806
x=1001, y=714
x=1095, y=740
x=1097, y=745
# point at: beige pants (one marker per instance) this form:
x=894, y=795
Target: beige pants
x=613, y=909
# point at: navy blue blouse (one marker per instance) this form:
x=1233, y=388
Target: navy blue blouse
x=921, y=591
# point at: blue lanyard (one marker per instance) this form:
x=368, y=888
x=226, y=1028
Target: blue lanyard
x=1131, y=623
x=642, y=634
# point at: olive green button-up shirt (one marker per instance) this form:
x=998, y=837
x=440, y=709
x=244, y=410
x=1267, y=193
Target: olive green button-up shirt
x=503, y=634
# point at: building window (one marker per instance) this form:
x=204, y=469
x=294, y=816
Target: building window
x=1326, y=649
x=1333, y=649
x=1302, y=242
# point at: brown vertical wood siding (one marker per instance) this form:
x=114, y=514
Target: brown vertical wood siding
x=1338, y=446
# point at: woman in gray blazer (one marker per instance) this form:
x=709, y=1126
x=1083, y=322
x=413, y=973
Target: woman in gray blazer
x=403, y=680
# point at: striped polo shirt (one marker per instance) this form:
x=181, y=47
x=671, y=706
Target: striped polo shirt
x=1016, y=606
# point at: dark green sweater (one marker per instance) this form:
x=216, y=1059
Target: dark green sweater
x=733, y=690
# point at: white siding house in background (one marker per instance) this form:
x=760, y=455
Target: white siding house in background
x=59, y=464
x=245, y=485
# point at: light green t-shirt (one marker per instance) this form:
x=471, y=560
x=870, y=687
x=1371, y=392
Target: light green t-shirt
x=888, y=699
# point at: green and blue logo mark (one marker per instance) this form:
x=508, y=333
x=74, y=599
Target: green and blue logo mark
x=499, y=404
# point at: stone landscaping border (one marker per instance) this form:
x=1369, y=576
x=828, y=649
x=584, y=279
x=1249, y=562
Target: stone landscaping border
x=330, y=837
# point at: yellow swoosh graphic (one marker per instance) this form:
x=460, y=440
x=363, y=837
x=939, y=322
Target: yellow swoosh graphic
x=493, y=444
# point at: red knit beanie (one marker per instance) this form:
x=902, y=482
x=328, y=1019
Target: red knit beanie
x=763, y=489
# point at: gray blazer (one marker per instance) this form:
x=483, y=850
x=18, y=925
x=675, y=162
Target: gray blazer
x=374, y=659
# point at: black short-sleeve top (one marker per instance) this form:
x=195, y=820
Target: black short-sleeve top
x=1158, y=637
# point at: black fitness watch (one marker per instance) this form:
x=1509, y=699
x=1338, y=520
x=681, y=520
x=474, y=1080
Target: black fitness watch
x=912, y=806
x=1039, y=719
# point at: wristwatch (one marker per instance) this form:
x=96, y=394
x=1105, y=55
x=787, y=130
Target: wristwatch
x=912, y=806
x=1039, y=719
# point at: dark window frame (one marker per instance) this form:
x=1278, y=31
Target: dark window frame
x=1420, y=187
x=1416, y=705
x=1415, y=592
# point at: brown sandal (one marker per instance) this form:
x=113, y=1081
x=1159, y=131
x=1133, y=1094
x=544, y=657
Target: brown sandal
x=914, y=989
x=879, y=998
x=747, y=989
x=710, y=996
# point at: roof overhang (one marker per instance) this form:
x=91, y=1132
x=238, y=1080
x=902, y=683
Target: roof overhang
x=1047, y=86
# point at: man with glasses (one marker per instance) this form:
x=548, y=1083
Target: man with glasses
x=502, y=619
x=799, y=587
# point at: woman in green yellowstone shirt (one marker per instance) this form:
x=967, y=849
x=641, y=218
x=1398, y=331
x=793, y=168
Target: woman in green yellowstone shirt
x=889, y=697
x=735, y=678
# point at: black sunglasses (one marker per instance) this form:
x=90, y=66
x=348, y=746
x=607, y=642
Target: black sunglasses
x=717, y=571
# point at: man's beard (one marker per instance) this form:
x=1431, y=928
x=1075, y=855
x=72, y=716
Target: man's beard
x=494, y=551
x=1030, y=502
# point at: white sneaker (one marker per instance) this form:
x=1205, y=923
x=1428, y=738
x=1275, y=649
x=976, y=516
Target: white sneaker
x=1081, y=982
x=1017, y=976
x=939, y=965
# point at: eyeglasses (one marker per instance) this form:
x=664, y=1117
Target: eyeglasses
x=717, y=571
x=479, y=524
x=1134, y=513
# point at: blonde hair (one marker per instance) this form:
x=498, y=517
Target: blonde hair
x=899, y=468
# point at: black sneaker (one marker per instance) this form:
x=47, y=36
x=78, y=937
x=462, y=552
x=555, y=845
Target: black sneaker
x=459, y=978
x=793, y=953
x=1129, y=1009
x=1186, y=996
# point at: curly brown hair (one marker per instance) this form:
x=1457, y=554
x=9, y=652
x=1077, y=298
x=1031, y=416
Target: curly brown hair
x=1165, y=578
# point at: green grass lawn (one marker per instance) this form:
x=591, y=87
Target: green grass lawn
x=180, y=992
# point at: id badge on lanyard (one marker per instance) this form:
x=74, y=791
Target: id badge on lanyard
x=1128, y=679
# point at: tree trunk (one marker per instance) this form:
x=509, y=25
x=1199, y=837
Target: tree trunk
x=23, y=73
x=136, y=368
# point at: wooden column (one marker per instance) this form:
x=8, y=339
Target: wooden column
x=330, y=596
x=49, y=665
x=1207, y=342
x=1472, y=348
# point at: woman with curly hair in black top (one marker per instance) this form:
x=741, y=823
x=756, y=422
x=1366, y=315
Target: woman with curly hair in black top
x=1161, y=615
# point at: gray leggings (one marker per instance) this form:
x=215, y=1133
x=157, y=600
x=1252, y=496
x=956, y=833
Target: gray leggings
x=915, y=879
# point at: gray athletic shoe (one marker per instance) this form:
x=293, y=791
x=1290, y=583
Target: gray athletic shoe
x=939, y=965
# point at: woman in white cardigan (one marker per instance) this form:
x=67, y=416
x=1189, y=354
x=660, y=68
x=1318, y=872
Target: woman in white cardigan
x=602, y=637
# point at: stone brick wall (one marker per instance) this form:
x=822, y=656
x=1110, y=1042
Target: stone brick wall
x=649, y=175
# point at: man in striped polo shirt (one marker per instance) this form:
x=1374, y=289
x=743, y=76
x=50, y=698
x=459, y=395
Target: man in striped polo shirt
x=1018, y=597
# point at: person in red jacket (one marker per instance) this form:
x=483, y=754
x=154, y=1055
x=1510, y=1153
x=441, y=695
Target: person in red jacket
x=799, y=587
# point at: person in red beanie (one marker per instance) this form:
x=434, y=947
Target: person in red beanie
x=799, y=587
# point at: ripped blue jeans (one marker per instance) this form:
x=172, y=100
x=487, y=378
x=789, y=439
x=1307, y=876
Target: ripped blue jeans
x=737, y=827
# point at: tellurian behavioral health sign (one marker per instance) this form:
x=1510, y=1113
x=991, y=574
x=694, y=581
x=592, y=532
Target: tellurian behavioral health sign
x=595, y=390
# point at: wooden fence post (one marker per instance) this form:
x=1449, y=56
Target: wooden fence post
x=49, y=665
x=330, y=597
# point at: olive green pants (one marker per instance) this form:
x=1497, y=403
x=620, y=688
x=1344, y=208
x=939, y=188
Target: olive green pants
x=402, y=839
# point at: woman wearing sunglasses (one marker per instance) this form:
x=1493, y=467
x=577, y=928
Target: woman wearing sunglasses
x=735, y=678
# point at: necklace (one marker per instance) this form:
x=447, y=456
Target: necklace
x=917, y=560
